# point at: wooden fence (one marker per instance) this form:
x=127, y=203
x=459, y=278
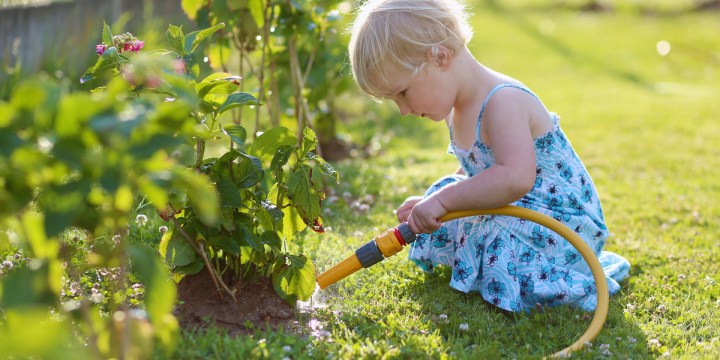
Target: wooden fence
x=61, y=36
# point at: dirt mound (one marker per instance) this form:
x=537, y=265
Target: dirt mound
x=257, y=306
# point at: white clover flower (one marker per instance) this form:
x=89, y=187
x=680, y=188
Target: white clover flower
x=464, y=327
x=287, y=348
x=116, y=239
x=661, y=308
x=163, y=229
x=588, y=344
x=629, y=308
x=632, y=340
x=7, y=264
x=442, y=317
x=141, y=219
x=665, y=354
x=681, y=277
x=606, y=352
x=96, y=297
x=604, y=347
x=653, y=342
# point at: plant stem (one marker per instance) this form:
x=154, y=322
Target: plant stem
x=198, y=247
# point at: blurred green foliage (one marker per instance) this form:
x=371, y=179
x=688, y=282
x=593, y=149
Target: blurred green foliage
x=76, y=164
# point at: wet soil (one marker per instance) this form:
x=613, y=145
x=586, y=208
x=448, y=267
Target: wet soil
x=257, y=306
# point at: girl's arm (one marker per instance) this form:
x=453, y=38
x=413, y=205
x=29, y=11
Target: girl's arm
x=507, y=127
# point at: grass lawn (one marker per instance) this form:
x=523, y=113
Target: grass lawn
x=647, y=128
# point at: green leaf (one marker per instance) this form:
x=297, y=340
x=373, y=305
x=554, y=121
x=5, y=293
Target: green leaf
x=28, y=95
x=25, y=286
x=309, y=141
x=237, y=99
x=105, y=66
x=176, y=37
x=9, y=142
x=185, y=155
x=179, y=252
x=325, y=167
x=164, y=242
x=7, y=113
x=256, y=10
x=245, y=237
x=157, y=142
x=191, y=7
x=273, y=215
x=249, y=171
x=34, y=231
x=107, y=34
x=191, y=268
x=271, y=239
x=193, y=39
x=229, y=193
x=282, y=155
x=237, y=133
x=30, y=333
x=216, y=88
x=74, y=111
x=160, y=291
x=225, y=243
x=202, y=194
x=303, y=194
x=292, y=222
x=266, y=144
x=296, y=280
x=156, y=194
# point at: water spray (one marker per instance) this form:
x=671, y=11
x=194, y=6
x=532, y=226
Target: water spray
x=394, y=240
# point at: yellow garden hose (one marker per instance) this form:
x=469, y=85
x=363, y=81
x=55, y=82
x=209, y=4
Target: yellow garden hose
x=392, y=241
x=603, y=296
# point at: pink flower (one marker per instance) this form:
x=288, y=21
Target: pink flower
x=134, y=45
x=122, y=42
x=179, y=66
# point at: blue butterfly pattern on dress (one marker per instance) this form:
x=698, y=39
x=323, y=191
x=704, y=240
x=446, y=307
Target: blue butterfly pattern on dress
x=516, y=264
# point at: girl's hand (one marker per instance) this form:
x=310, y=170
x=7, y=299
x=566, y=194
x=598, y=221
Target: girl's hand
x=403, y=212
x=425, y=216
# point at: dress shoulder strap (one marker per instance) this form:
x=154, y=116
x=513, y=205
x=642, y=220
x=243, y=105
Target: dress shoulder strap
x=500, y=86
x=493, y=91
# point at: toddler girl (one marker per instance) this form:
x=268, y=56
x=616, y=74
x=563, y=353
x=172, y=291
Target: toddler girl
x=511, y=151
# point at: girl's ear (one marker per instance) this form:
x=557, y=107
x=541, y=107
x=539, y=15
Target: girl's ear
x=439, y=55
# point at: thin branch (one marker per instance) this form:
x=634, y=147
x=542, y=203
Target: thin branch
x=199, y=249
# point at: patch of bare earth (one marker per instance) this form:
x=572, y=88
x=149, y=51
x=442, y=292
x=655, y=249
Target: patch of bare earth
x=257, y=306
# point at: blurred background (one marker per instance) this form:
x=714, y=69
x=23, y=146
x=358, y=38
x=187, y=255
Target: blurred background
x=636, y=83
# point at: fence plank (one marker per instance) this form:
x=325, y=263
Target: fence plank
x=62, y=36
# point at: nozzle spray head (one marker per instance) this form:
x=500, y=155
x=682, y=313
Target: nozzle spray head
x=374, y=251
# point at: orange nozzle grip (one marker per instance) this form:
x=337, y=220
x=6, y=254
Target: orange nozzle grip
x=339, y=271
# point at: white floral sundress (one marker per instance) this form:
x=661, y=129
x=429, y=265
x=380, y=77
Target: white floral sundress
x=516, y=264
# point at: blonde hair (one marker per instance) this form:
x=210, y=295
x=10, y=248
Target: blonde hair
x=400, y=33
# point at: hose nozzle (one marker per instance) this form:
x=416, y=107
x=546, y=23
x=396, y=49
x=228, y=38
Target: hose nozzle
x=374, y=251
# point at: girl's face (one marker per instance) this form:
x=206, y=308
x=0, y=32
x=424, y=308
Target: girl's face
x=428, y=94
